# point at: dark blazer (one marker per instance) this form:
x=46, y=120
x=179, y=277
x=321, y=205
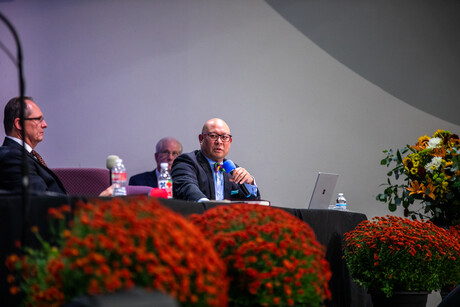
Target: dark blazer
x=146, y=179
x=41, y=178
x=193, y=179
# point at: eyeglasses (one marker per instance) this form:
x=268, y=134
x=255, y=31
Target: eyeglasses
x=214, y=136
x=40, y=119
x=167, y=153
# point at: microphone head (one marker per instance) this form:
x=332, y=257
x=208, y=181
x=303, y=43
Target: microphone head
x=111, y=161
x=229, y=166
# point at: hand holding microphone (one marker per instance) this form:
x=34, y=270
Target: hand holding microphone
x=239, y=175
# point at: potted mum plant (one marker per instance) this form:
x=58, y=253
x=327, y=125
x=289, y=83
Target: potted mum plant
x=426, y=174
x=116, y=245
x=272, y=257
x=389, y=255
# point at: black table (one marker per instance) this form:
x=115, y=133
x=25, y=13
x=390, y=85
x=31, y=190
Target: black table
x=328, y=225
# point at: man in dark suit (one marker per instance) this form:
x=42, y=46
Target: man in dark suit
x=198, y=176
x=41, y=178
x=166, y=150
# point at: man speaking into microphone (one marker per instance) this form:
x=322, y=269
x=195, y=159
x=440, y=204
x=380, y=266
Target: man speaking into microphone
x=200, y=175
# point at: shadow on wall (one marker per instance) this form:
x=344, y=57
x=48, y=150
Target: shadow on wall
x=408, y=48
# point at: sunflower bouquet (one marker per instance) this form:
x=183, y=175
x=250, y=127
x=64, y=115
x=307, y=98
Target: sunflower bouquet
x=426, y=174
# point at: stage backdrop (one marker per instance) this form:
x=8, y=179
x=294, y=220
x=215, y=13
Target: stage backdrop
x=306, y=86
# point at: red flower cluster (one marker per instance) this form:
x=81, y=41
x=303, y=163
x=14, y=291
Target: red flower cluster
x=397, y=254
x=272, y=257
x=114, y=245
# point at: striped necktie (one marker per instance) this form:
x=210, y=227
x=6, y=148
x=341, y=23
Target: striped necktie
x=38, y=157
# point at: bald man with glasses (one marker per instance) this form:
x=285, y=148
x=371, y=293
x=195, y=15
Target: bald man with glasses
x=198, y=175
x=166, y=150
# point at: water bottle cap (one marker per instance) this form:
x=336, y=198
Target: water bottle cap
x=164, y=165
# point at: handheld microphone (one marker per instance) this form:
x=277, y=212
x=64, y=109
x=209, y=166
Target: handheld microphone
x=110, y=163
x=229, y=166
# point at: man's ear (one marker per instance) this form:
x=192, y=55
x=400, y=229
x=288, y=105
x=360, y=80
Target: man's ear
x=200, y=137
x=17, y=124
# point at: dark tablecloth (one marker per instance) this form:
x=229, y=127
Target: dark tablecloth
x=328, y=225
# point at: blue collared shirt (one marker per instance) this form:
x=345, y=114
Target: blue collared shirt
x=219, y=183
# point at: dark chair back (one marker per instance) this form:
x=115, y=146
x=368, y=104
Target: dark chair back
x=84, y=181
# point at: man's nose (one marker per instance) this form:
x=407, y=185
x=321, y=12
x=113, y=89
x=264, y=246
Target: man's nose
x=44, y=124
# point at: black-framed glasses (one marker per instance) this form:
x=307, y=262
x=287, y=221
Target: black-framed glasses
x=167, y=153
x=40, y=119
x=214, y=136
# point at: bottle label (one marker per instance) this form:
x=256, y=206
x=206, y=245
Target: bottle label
x=119, y=177
x=167, y=186
x=341, y=206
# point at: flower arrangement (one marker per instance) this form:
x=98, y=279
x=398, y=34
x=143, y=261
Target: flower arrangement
x=272, y=257
x=454, y=235
x=118, y=244
x=431, y=175
x=389, y=254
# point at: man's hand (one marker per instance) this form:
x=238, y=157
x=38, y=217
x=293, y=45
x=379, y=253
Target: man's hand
x=240, y=175
x=107, y=192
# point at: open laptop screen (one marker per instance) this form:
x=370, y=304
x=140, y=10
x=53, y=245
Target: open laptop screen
x=322, y=193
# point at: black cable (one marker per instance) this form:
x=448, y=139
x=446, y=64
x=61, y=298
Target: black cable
x=25, y=166
x=8, y=53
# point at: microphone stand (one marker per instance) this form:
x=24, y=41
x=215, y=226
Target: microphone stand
x=25, y=166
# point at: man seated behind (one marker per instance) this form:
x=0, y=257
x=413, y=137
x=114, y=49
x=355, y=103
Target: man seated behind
x=166, y=150
x=197, y=177
x=41, y=178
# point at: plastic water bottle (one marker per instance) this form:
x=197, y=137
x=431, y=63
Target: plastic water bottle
x=119, y=178
x=341, y=202
x=164, y=180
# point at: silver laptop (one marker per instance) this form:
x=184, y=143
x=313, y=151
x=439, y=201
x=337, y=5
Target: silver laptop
x=322, y=193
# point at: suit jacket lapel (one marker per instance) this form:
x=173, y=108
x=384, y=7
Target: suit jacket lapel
x=207, y=168
x=10, y=142
x=41, y=167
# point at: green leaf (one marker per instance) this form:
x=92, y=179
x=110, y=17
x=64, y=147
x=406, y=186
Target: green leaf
x=396, y=174
x=398, y=154
x=392, y=207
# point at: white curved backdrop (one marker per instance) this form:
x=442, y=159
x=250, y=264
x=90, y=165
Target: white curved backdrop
x=113, y=77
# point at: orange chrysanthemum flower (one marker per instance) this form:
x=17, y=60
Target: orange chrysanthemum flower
x=117, y=244
x=272, y=257
x=391, y=253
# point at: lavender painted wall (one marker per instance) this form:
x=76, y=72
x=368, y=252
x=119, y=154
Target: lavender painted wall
x=113, y=77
